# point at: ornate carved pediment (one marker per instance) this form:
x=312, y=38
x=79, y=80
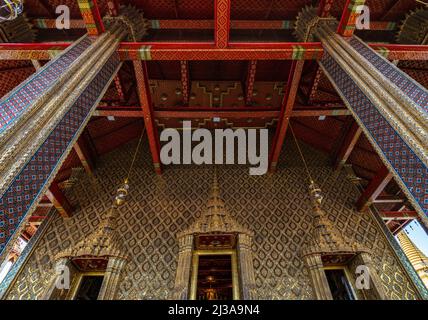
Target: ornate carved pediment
x=215, y=219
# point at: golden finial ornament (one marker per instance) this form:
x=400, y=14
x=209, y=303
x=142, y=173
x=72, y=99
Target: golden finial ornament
x=316, y=193
x=121, y=194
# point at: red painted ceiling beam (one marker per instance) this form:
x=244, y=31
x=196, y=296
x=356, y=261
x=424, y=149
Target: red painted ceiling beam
x=85, y=155
x=313, y=89
x=320, y=112
x=212, y=114
x=398, y=215
x=286, y=111
x=192, y=24
x=60, y=202
x=348, y=145
x=250, y=80
x=143, y=88
x=207, y=51
x=206, y=108
x=347, y=23
x=113, y=10
x=209, y=24
x=395, y=226
x=185, y=81
x=36, y=218
x=119, y=88
x=91, y=16
x=198, y=112
x=118, y=113
x=389, y=199
x=401, y=51
x=221, y=23
x=374, y=189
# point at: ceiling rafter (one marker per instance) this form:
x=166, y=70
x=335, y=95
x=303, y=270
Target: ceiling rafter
x=286, y=110
x=374, y=189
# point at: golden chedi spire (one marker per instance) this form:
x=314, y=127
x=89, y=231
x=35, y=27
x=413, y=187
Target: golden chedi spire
x=215, y=212
x=105, y=241
x=215, y=218
x=416, y=257
x=325, y=238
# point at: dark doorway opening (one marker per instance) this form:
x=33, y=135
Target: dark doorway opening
x=89, y=288
x=339, y=285
x=215, y=277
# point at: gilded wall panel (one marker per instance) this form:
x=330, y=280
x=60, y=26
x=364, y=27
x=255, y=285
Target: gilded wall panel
x=276, y=207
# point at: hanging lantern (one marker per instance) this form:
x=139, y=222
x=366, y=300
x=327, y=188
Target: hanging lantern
x=121, y=194
x=10, y=9
x=316, y=192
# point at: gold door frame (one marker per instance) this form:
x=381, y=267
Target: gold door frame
x=78, y=282
x=195, y=267
x=347, y=276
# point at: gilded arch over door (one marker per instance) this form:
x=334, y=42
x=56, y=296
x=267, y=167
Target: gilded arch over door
x=215, y=220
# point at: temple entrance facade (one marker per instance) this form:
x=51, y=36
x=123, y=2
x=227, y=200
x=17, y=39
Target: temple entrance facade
x=245, y=237
x=215, y=240
x=345, y=162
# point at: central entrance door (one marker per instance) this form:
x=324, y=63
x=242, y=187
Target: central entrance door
x=215, y=277
x=214, y=268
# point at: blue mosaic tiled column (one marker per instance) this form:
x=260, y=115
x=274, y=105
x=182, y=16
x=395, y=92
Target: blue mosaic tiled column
x=17, y=101
x=389, y=106
x=29, y=184
x=403, y=160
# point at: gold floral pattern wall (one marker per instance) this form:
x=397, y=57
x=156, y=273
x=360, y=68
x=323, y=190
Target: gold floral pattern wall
x=275, y=207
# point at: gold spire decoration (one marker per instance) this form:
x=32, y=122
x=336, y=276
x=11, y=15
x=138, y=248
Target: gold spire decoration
x=105, y=241
x=325, y=237
x=416, y=257
x=215, y=218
